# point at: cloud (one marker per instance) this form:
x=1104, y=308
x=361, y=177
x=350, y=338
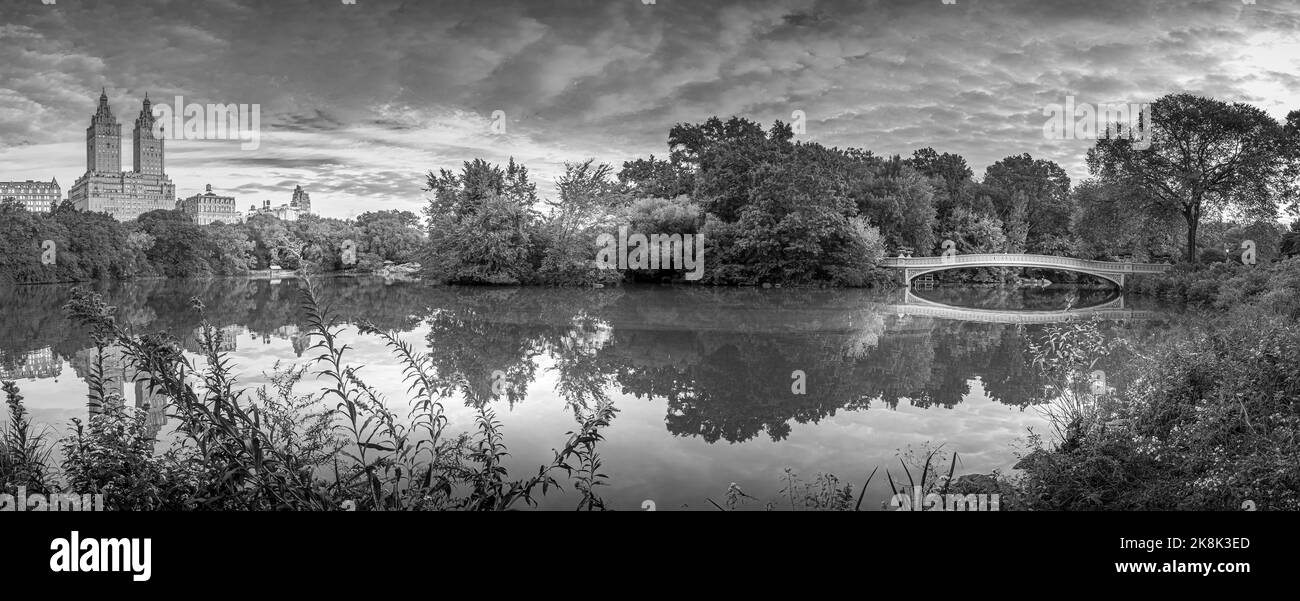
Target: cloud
x=359, y=101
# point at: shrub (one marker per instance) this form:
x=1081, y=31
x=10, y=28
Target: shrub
x=341, y=449
x=24, y=456
x=1211, y=422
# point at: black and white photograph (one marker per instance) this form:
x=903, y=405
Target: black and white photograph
x=765, y=257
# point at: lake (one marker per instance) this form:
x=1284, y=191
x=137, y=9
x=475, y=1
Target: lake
x=714, y=385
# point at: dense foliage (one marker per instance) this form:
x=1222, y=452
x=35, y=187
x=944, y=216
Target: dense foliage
x=94, y=246
x=776, y=210
x=1208, y=423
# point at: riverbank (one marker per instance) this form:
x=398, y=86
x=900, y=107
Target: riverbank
x=1209, y=422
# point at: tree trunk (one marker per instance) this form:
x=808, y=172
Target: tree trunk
x=1193, y=217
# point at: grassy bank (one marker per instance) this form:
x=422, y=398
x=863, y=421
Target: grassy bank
x=1208, y=423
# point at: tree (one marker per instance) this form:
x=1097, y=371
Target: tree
x=725, y=157
x=589, y=198
x=975, y=232
x=664, y=216
x=272, y=244
x=1032, y=198
x=492, y=245
x=97, y=245
x=481, y=224
x=1291, y=241
x=390, y=235
x=1110, y=221
x=656, y=178
x=460, y=194
x=951, y=169
x=231, y=252
x=901, y=200
x=316, y=242
x=1203, y=154
x=180, y=247
x=588, y=194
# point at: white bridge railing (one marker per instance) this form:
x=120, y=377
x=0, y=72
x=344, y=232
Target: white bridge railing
x=1021, y=260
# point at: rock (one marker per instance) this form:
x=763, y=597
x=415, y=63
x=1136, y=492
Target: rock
x=974, y=484
x=1033, y=459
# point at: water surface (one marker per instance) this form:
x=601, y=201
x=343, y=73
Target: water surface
x=704, y=378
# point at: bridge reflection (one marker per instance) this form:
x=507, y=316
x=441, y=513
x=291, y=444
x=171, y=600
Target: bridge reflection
x=1112, y=310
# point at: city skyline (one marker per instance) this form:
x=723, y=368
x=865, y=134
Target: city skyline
x=358, y=103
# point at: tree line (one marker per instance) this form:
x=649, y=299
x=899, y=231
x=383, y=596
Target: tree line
x=167, y=243
x=774, y=210
x=1209, y=176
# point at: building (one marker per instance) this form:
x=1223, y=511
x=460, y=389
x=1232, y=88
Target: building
x=34, y=365
x=105, y=188
x=209, y=208
x=228, y=343
x=300, y=205
x=37, y=197
x=301, y=200
x=282, y=212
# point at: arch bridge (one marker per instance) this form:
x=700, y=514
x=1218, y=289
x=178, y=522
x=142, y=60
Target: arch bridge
x=1115, y=272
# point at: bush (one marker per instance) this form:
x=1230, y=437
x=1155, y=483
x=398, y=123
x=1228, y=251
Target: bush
x=341, y=449
x=1220, y=285
x=24, y=455
x=1211, y=422
x=1213, y=255
x=570, y=261
x=114, y=456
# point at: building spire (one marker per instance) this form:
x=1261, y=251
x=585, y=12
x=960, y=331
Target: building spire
x=103, y=111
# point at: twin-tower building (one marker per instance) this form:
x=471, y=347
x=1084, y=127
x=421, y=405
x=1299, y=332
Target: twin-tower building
x=105, y=187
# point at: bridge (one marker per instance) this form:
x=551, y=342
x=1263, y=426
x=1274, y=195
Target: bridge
x=1112, y=310
x=1112, y=271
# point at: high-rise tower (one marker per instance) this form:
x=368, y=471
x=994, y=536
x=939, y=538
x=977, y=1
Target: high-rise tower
x=105, y=188
x=147, y=148
x=301, y=200
x=104, y=140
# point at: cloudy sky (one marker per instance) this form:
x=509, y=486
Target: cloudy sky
x=358, y=101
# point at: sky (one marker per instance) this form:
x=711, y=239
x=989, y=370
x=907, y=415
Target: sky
x=358, y=101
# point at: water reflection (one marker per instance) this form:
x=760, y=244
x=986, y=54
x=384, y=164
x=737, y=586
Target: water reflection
x=722, y=359
x=712, y=365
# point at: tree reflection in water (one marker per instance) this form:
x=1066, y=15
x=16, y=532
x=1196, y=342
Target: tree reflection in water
x=722, y=359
